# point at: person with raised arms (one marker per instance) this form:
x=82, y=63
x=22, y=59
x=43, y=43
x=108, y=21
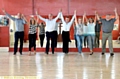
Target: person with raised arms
x=50, y=27
x=107, y=28
x=19, y=32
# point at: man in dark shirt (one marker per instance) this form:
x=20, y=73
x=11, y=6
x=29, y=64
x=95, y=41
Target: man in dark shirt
x=97, y=33
x=107, y=27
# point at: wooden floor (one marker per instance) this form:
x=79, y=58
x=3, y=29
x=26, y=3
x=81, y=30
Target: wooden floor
x=61, y=66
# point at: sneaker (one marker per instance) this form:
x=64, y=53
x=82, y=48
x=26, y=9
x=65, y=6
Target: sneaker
x=66, y=52
x=20, y=53
x=102, y=53
x=91, y=53
x=52, y=52
x=111, y=54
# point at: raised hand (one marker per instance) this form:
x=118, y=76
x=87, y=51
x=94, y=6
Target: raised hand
x=75, y=12
x=84, y=14
x=3, y=10
x=36, y=12
x=22, y=15
x=115, y=9
x=60, y=10
x=95, y=12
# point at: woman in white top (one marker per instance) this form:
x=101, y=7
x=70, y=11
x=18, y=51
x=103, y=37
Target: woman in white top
x=91, y=33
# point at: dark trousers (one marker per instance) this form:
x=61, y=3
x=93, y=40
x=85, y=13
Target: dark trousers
x=66, y=39
x=97, y=36
x=75, y=41
x=50, y=35
x=55, y=38
x=42, y=36
x=32, y=41
x=85, y=41
x=18, y=35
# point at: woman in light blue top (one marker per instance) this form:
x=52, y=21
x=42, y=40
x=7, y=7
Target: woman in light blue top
x=91, y=33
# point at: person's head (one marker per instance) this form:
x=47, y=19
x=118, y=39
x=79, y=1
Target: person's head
x=19, y=15
x=67, y=19
x=42, y=23
x=85, y=23
x=32, y=21
x=79, y=20
x=50, y=16
x=108, y=17
x=91, y=20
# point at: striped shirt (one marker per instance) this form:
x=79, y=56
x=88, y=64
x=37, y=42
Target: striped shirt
x=42, y=29
x=79, y=29
x=32, y=29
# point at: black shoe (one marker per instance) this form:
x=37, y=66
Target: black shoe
x=46, y=53
x=102, y=53
x=66, y=52
x=14, y=53
x=91, y=53
x=111, y=54
x=20, y=53
x=52, y=52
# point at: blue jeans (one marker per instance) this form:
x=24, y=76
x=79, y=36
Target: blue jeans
x=79, y=39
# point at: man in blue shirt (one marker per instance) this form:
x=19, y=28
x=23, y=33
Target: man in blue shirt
x=19, y=32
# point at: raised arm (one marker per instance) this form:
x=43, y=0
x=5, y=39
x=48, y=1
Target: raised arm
x=8, y=15
x=116, y=14
x=58, y=16
x=62, y=18
x=86, y=18
x=76, y=23
x=95, y=17
x=83, y=19
x=73, y=17
x=24, y=19
x=43, y=19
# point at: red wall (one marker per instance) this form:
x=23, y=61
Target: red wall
x=53, y=6
x=45, y=7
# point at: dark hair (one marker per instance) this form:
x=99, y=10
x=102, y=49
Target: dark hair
x=91, y=19
x=42, y=23
x=67, y=17
x=31, y=21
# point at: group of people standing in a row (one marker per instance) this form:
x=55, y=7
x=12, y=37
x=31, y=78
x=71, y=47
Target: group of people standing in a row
x=84, y=29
